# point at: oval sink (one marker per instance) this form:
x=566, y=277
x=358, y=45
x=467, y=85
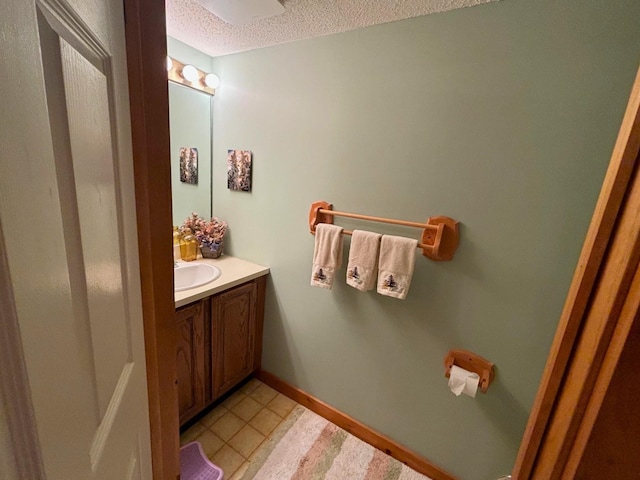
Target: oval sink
x=192, y=275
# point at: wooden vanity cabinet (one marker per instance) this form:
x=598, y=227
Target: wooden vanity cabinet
x=219, y=344
x=233, y=336
x=191, y=359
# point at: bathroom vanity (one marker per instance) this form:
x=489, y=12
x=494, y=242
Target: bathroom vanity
x=218, y=333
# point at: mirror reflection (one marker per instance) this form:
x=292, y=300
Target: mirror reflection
x=190, y=120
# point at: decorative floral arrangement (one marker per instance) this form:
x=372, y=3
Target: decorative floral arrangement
x=209, y=233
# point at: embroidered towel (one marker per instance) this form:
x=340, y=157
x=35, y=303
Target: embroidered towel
x=327, y=255
x=363, y=260
x=397, y=259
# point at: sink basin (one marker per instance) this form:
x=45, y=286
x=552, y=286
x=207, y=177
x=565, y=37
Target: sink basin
x=192, y=275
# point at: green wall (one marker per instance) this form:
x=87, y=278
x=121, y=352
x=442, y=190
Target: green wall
x=502, y=116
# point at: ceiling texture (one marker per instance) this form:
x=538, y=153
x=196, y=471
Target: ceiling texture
x=196, y=26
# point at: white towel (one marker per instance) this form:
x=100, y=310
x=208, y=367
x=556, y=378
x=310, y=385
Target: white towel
x=397, y=259
x=327, y=255
x=363, y=260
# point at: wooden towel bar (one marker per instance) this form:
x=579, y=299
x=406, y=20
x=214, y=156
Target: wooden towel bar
x=439, y=238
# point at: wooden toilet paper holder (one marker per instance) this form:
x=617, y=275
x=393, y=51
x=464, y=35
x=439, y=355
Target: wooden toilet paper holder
x=473, y=363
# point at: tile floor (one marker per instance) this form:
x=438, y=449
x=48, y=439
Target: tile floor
x=232, y=432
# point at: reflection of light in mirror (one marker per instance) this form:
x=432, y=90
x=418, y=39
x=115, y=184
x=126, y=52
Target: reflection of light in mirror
x=190, y=73
x=212, y=80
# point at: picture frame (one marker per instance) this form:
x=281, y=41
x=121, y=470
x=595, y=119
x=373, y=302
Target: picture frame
x=239, y=166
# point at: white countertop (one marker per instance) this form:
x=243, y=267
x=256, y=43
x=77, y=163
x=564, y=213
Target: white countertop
x=234, y=272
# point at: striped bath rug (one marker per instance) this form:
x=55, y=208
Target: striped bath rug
x=308, y=447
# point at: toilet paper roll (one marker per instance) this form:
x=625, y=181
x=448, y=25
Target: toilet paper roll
x=463, y=381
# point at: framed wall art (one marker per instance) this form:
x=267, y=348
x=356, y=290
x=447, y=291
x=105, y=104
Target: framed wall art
x=239, y=170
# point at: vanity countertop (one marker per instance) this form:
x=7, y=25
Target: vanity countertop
x=234, y=272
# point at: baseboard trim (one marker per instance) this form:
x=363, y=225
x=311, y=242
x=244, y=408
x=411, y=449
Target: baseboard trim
x=356, y=428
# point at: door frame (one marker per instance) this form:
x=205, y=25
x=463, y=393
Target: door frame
x=598, y=312
x=146, y=40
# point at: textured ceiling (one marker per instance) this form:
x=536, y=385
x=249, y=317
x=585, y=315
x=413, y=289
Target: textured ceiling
x=194, y=25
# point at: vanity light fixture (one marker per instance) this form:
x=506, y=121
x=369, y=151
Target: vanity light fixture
x=212, y=81
x=190, y=73
x=191, y=77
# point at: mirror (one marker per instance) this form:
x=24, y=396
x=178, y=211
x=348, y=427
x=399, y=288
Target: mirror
x=190, y=121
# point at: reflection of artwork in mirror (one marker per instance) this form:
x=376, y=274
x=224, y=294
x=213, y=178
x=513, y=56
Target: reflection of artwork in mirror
x=239, y=170
x=189, y=165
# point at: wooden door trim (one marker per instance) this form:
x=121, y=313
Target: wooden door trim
x=628, y=316
x=146, y=40
x=592, y=262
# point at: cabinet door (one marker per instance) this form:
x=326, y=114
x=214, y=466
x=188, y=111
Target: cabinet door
x=190, y=360
x=233, y=335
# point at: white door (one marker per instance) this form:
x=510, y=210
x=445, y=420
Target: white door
x=67, y=215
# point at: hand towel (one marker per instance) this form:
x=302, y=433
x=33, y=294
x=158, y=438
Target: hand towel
x=327, y=255
x=363, y=260
x=397, y=259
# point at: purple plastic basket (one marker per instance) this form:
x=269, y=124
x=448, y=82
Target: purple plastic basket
x=194, y=464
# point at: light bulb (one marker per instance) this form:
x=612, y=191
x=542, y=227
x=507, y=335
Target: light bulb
x=169, y=64
x=190, y=73
x=212, y=80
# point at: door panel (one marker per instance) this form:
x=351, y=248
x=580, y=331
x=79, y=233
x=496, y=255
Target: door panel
x=91, y=152
x=67, y=215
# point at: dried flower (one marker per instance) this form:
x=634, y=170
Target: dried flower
x=207, y=232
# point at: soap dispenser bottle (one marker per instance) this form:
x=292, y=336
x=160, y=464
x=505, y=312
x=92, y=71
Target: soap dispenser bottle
x=176, y=244
x=188, y=246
